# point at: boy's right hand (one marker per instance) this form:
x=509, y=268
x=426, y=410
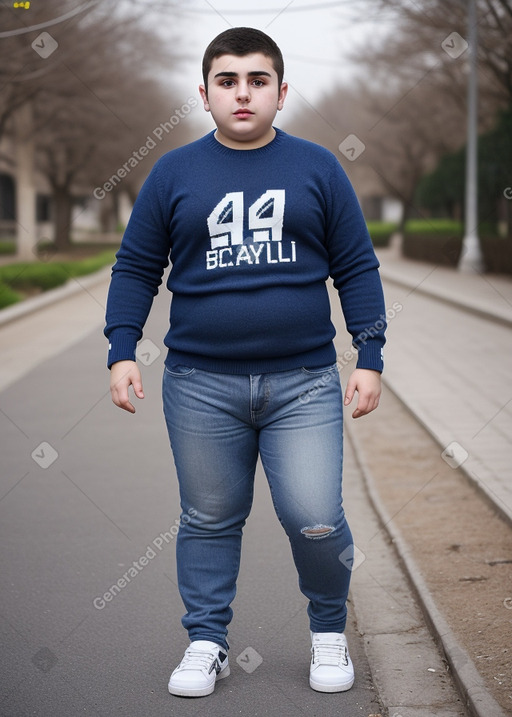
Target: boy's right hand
x=124, y=374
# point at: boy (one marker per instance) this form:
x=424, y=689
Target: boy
x=253, y=221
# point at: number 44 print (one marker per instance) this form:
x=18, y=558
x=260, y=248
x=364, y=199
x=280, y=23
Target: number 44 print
x=266, y=216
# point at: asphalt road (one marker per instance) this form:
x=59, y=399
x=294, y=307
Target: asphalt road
x=89, y=494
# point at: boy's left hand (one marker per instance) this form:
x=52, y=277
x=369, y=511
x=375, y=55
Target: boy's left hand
x=368, y=386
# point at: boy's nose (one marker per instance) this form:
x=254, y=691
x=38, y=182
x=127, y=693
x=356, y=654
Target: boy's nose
x=243, y=94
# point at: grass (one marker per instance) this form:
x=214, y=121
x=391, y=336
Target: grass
x=22, y=279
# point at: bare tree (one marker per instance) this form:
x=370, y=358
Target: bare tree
x=92, y=93
x=429, y=39
x=410, y=106
x=423, y=62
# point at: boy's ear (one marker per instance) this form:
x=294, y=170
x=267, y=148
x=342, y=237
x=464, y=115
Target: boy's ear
x=282, y=95
x=204, y=97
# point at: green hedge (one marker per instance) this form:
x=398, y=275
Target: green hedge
x=91, y=264
x=380, y=232
x=8, y=296
x=497, y=253
x=445, y=250
x=438, y=241
x=7, y=246
x=27, y=278
x=441, y=249
x=443, y=227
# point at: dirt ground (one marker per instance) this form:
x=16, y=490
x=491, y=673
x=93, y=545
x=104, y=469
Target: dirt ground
x=459, y=543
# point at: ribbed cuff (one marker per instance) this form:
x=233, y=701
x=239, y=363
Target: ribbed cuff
x=370, y=356
x=121, y=348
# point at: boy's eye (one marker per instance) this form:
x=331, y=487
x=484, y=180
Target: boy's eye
x=256, y=82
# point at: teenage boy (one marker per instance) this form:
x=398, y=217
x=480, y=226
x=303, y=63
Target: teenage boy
x=253, y=221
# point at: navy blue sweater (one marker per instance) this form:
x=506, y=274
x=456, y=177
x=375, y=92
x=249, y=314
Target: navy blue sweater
x=252, y=236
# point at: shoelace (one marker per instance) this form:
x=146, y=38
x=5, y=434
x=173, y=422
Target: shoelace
x=197, y=660
x=330, y=654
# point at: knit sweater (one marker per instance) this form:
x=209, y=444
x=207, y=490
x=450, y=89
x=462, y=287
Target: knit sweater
x=252, y=237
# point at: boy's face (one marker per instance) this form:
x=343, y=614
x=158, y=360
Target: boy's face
x=243, y=97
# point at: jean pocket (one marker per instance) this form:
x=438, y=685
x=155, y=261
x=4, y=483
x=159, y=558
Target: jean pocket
x=179, y=371
x=316, y=370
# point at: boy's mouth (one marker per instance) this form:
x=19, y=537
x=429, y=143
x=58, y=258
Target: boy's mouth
x=243, y=112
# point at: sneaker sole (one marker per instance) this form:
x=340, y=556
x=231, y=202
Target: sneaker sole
x=201, y=692
x=319, y=687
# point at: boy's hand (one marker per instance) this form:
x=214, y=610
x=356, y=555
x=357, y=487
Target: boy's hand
x=368, y=386
x=124, y=374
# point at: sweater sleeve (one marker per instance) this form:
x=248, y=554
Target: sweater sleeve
x=354, y=270
x=137, y=273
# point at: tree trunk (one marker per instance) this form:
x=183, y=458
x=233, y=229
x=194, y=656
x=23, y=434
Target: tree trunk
x=508, y=215
x=108, y=214
x=62, y=209
x=26, y=228
x=407, y=210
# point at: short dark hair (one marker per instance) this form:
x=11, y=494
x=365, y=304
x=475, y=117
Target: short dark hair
x=242, y=41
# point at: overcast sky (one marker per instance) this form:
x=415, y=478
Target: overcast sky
x=315, y=38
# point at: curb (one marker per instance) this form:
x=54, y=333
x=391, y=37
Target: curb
x=473, y=691
x=447, y=297
x=70, y=288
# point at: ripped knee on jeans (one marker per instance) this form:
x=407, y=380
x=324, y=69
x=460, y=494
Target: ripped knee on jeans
x=315, y=532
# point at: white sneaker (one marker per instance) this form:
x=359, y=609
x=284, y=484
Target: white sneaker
x=331, y=667
x=204, y=662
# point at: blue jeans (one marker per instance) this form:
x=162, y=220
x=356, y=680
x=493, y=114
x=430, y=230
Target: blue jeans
x=218, y=424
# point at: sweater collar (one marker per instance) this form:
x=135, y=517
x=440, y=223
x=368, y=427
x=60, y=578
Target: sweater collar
x=219, y=148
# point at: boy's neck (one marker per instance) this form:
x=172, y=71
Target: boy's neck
x=252, y=144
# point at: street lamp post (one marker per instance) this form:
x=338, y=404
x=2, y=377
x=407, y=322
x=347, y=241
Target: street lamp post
x=471, y=256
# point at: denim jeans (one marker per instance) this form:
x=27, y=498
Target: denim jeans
x=218, y=424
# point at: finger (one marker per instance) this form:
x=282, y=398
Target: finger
x=365, y=405
x=128, y=407
x=120, y=396
x=121, y=399
x=349, y=393
x=137, y=388
x=361, y=408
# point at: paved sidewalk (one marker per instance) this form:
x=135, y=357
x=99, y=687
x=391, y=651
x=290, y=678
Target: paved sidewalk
x=486, y=295
x=40, y=328
x=448, y=358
